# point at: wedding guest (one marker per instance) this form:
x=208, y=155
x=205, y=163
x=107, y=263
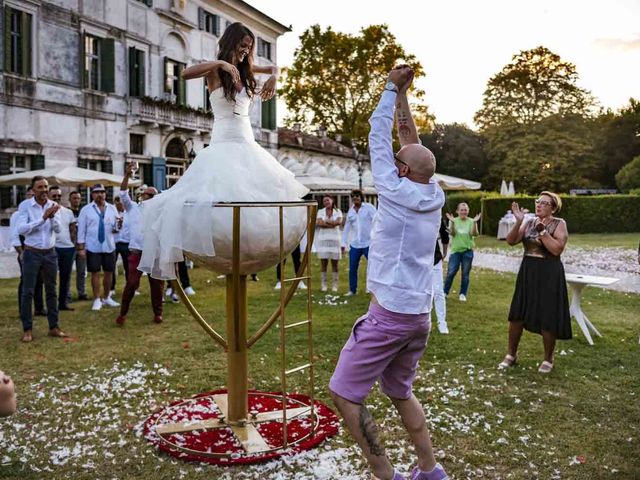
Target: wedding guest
x=122, y=239
x=295, y=256
x=328, y=241
x=96, y=226
x=38, y=223
x=462, y=230
x=75, y=199
x=540, y=302
x=136, y=242
x=439, y=298
x=65, y=248
x=387, y=342
x=358, y=222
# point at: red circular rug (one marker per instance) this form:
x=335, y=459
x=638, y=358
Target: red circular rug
x=221, y=446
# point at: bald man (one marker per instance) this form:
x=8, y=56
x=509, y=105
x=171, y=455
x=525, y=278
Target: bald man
x=387, y=342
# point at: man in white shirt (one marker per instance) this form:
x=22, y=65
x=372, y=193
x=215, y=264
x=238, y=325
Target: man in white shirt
x=136, y=242
x=122, y=239
x=96, y=225
x=16, y=243
x=65, y=247
x=358, y=223
x=38, y=224
x=389, y=340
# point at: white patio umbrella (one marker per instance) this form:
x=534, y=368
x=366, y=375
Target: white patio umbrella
x=511, y=190
x=447, y=182
x=504, y=191
x=67, y=176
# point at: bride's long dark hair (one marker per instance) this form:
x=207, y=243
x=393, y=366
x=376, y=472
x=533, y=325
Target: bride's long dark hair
x=227, y=48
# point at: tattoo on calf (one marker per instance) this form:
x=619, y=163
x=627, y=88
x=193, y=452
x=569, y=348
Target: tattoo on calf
x=370, y=432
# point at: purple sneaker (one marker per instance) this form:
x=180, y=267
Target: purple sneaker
x=437, y=473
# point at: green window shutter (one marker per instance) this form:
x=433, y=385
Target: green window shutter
x=26, y=44
x=269, y=114
x=7, y=38
x=159, y=173
x=84, y=74
x=37, y=162
x=141, y=73
x=132, y=72
x=182, y=87
x=5, y=169
x=107, y=65
x=149, y=3
x=216, y=25
x=82, y=163
x=201, y=19
x=164, y=75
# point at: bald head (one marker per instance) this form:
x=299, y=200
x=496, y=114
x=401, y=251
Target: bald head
x=420, y=160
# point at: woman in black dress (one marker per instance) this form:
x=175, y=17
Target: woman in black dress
x=540, y=302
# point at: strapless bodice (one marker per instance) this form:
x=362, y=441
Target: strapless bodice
x=231, y=119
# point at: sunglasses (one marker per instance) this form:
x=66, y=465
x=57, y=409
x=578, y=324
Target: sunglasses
x=395, y=155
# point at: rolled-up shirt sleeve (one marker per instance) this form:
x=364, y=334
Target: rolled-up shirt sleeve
x=126, y=200
x=385, y=173
x=82, y=227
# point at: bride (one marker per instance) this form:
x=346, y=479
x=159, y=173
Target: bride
x=232, y=168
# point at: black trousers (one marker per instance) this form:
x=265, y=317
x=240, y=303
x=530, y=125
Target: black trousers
x=295, y=255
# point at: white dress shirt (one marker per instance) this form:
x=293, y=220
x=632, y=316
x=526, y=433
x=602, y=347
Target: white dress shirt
x=37, y=232
x=13, y=229
x=124, y=235
x=133, y=220
x=88, y=223
x=360, y=222
x=63, y=239
x=405, y=229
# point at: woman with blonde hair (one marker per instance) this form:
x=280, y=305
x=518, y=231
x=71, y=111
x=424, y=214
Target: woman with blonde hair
x=462, y=230
x=540, y=302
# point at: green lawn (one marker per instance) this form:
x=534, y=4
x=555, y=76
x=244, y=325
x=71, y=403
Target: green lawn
x=80, y=399
x=583, y=240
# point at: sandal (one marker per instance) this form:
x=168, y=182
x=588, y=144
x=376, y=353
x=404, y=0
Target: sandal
x=545, y=367
x=509, y=361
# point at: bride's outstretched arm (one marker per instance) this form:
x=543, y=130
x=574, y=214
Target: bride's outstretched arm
x=269, y=88
x=205, y=69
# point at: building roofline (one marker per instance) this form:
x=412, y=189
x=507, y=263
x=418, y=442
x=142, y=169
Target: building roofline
x=252, y=11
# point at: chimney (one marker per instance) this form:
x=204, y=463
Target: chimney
x=338, y=137
x=322, y=131
x=297, y=127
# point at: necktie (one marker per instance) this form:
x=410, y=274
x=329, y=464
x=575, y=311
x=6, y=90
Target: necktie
x=101, y=224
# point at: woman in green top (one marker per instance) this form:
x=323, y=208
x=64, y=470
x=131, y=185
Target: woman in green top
x=462, y=230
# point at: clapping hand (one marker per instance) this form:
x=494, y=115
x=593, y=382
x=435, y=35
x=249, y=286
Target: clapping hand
x=269, y=88
x=233, y=71
x=517, y=212
x=477, y=217
x=450, y=217
x=51, y=211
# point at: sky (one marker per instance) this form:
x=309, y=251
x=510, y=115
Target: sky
x=463, y=43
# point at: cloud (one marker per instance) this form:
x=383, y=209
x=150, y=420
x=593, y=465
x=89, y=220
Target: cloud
x=625, y=44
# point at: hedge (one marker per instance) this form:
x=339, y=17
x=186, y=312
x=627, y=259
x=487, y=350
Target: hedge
x=583, y=214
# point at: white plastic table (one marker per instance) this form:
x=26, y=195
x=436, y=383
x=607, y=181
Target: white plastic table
x=577, y=283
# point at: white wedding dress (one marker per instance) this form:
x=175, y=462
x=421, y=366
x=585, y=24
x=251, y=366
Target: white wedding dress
x=233, y=168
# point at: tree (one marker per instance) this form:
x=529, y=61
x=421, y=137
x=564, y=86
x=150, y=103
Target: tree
x=336, y=79
x=617, y=140
x=628, y=178
x=536, y=84
x=554, y=154
x=458, y=149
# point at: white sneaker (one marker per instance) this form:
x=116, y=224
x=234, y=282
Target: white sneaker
x=443, y=328
x=174, y=298
x=221, y=276
x=189, y=291
x=278, y=286
x=334, y=289
x=349, y=293
x=112, y=293
x=168, y=292
x=97, y=304
x=302, y=285
x=463, y=298
x=110, y=302
x=323, y=288
x=137, y=293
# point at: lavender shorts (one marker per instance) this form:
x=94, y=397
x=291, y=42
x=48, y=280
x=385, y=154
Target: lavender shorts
x=383, y=345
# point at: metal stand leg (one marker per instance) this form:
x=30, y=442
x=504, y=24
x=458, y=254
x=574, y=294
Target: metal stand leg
x=576, y=311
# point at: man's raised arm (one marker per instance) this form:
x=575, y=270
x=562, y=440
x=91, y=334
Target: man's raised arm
x=407, y=131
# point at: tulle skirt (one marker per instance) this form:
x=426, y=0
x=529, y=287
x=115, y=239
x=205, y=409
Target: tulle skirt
x=184, y=219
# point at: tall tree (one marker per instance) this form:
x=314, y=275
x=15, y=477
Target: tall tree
x=336, y=79
x=536, y=84
x=458, y=150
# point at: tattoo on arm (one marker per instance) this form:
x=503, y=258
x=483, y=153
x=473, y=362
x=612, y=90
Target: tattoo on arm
x=370, y=432
x=406, y=126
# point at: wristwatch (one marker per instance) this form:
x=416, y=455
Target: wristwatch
x=392, y=87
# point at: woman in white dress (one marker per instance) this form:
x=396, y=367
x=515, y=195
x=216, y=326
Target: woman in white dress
x=328, y=241
x=233, y=168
